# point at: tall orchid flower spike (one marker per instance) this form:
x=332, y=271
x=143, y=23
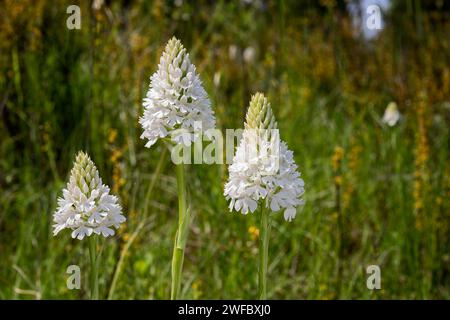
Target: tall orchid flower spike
x=175, y=104
x=176, y=100
x=264, y=174
x=88, y=209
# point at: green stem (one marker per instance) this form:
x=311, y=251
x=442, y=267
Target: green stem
x=263, y=252
x=123, y=254
x=181, y=235
x=126, y=248
x=177, y=265
x=94, y=266
x=151, y=186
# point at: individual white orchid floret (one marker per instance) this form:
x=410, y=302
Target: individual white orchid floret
x=176, y=99
x=86, y=206
x=263, y=169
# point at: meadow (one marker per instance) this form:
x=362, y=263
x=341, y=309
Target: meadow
x=374, y=194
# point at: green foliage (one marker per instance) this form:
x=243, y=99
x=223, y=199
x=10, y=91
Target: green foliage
x=63, y=90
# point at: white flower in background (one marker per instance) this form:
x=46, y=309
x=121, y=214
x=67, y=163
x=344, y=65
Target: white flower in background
x=391, y=114
x=270, y=174
x=233, y=51
x=86, y=206
x=249, y=55
x=97, y=4
x=216, y=79
x=176, y=99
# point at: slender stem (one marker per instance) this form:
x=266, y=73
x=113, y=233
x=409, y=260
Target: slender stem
x=126, y=248
x=263, y=252
x=177, y=265
x=340, y=242
x=94, y=266
x=156, y=175
x=181, y=235
x=123, y=254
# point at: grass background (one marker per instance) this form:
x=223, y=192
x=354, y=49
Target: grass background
x=374, y=194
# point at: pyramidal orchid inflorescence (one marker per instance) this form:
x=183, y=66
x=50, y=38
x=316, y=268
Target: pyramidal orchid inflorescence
x=176, y=99
x=263, y=167
x=86, y=206
x=178, y=106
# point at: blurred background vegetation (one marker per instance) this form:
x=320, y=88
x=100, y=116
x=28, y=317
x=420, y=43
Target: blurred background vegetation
x=374, y=194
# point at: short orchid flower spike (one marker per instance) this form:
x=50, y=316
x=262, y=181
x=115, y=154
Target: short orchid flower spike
x=268, y=176
x=176, y=100
x=86, y=206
